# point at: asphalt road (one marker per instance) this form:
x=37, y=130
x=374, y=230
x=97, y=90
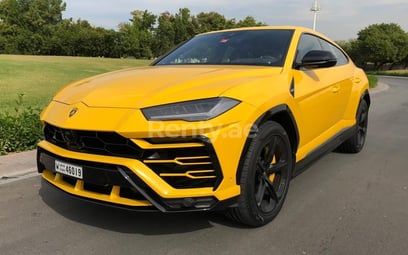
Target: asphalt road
x=343, y=204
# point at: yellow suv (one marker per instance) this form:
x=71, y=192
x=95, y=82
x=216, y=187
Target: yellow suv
x=222, y=122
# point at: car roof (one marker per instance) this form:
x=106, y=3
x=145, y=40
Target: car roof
x=264, y=28
x=298, y=29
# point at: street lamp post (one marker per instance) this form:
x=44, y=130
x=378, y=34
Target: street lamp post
x=315, y=9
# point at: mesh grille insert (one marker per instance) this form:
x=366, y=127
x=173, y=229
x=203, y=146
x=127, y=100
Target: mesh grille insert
x=93, y=142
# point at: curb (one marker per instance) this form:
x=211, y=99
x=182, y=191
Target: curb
x=379, y=88
x=19, y=165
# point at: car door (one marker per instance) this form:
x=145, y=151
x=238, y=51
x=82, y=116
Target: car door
x=320, y=94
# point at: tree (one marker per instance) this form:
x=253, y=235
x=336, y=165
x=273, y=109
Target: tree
x=211, y=21
x=184, y=26
x=63, y=40
x=27, y=24
x=38, y=14
x=36, y=27
x=383, y=43
x=137, y=36
x=352, y=48
x=164, y=34
x=249, y=21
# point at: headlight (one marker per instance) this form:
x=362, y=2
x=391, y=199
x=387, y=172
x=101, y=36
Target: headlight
x=196, y=110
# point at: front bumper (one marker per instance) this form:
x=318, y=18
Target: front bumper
x=151, y=166
x=165, y=175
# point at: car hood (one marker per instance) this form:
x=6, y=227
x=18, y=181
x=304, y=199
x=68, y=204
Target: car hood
x=153, y=85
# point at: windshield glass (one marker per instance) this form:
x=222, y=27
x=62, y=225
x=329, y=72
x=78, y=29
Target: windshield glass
x=249, y=47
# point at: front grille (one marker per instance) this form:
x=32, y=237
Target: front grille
x=183, y=166
x=93, y=142
x=189, y=167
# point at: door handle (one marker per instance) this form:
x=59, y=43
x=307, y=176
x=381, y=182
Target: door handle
x=357, y=80
x=335, y=89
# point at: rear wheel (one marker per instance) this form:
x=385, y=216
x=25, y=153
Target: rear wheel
x=356, y=143
x=265, y=176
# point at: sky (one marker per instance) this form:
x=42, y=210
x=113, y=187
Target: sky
x=338, y=19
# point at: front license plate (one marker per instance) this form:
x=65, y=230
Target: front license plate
x=68, y=169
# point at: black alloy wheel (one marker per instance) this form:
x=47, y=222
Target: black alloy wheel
x=265, y=177
x=362, y=125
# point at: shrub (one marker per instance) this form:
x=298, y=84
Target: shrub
x=20, y=131
x=401, y=73
x=372, y=81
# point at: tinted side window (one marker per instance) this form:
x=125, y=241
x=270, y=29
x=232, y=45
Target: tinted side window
x=340, y=56
x=310, y=42
x=306, y=43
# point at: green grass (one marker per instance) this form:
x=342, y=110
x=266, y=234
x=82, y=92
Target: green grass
x=403, y=73
x=372, y=81
x=38, y=78
x=372, y=75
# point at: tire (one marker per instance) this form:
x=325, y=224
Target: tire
x=265, y=176
x=356, y=143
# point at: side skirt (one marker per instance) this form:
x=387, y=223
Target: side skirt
x=325, y=148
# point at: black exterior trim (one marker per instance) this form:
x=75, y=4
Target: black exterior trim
x=100, y=202
x=125, y=178
x=325, y=148
x=92, y=142
x=150, y=199
x=179, y=182
x=220, y=206
x=292, y=87
x=366, y=97
x=115, y=145
x=254, y=130
x=331, y=144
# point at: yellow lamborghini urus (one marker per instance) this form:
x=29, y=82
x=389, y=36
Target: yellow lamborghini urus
x=222, y=122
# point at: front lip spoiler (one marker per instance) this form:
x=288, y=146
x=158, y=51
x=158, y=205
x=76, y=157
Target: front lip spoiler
x=100, y=202
x=219, y=206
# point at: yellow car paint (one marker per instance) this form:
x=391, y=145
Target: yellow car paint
x=324, y=103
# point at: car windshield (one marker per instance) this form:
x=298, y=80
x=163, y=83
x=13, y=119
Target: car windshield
x=246, y=47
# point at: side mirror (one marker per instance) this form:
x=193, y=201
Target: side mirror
x=318, y=59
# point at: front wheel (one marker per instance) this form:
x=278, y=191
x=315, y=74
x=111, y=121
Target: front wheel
x=265, y=176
